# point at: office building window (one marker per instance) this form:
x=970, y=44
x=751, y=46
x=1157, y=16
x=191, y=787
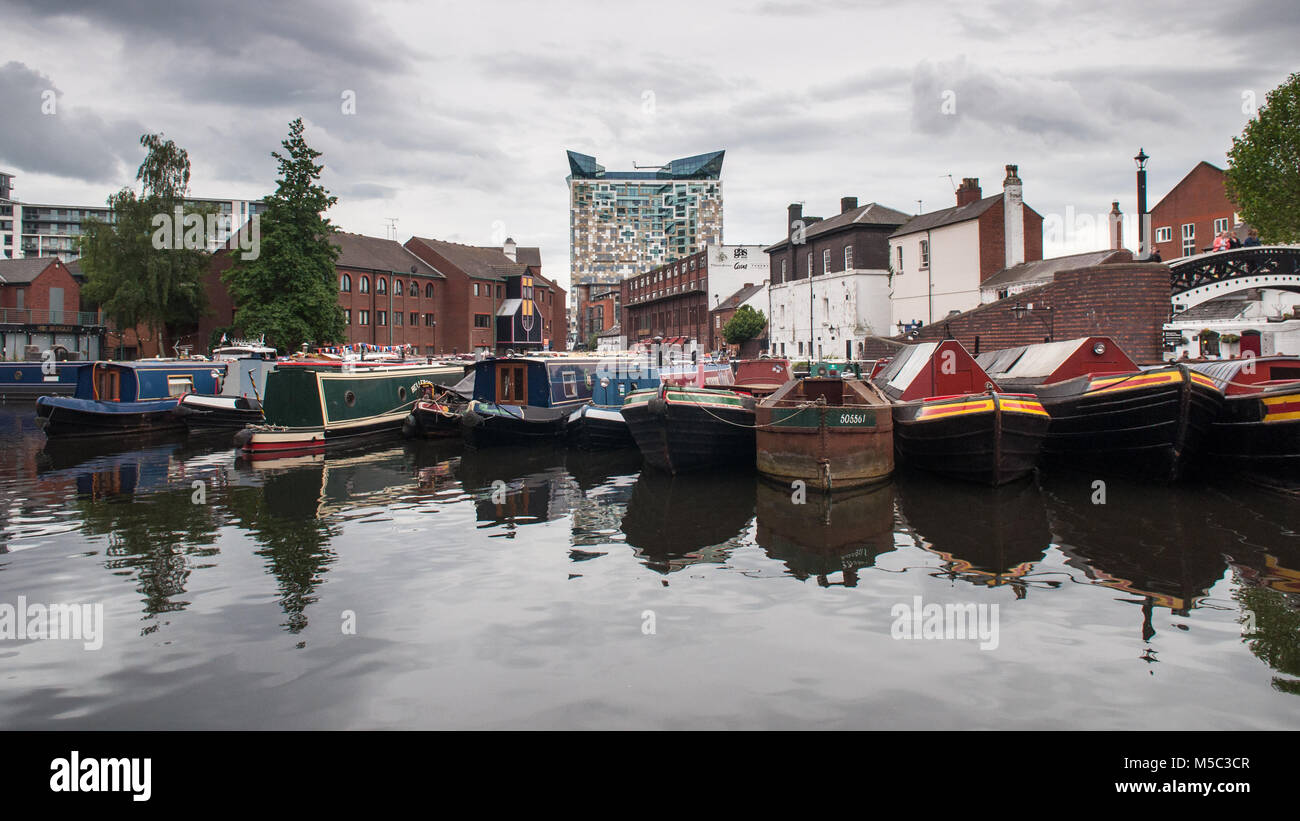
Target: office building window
x=363, y=317
x=482, y=320
x=365, y=285
x=1165, y=234
x=381, y=317
x=397, y=318
x=345, y=283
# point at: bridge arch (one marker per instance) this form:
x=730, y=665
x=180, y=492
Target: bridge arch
x=1203, y=277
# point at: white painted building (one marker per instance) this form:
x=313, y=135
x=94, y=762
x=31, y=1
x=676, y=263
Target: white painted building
x=830, y=286
x=1231, y=319
x=940, y=260
x=731, y=266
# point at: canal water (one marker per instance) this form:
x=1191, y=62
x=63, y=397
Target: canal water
x=426, y=585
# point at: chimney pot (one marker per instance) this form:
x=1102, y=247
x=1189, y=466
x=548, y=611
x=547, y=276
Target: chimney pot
x=969, y=191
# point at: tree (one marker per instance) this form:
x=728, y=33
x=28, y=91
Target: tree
x=744, y=325
x=1263, y=176
x=286, y=289
x=135, y=272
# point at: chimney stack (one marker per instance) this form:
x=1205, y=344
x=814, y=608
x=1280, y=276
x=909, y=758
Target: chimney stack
x=509, y=249
x=1116, y=227
x=847, y=204
x=1013, y=217
x=969, y=191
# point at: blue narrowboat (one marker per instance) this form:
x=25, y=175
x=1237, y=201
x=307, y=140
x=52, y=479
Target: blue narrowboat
x=114, y=398
x=600, y=425
x=28, y=380
x=526, y=398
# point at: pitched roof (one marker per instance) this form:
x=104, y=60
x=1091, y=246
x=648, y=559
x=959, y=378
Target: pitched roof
x=948, y=216
x=1185, y=178
x=529, y=256
x=474, y=261
x=378, y=254
x=873, y=213
x=739, y=297
x=1224, y=307
x=21, y=271
x=1047, y=269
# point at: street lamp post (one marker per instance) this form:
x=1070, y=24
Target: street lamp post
x=1141, y=161
x=1020, y=311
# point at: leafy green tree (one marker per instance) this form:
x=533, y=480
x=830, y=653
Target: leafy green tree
x=1263, y=176
x=287, y=288
x=744, y=325
x=135, y=270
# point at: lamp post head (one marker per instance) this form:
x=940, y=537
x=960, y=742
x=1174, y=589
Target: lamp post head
x=1018, y=310
x=1141, y=160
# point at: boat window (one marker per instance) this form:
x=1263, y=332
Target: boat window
x=570, y=380
x=622, y=389
x=350, y=399
x=180, y=385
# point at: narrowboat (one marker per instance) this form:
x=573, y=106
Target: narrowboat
x=951, y=418
x=825, y=534
x=829, y=432
x=28, y=380
x=680, y=428
x=524, y=399
x=438, y=409
x=1107, y=413
x=1258, y=426
x=311, y=405
x=600, y=425
x=115, y=398
x=240, y=400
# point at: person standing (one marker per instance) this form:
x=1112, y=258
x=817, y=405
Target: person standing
x=1251, y=240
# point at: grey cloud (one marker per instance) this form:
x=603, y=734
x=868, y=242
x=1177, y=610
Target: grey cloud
x=72, y=142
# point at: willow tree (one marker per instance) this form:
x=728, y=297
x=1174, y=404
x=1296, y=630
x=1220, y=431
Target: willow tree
x=287, y=287
x=139, y=274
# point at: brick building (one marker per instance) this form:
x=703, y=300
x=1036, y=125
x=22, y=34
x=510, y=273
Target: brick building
x=1186, y=220
x=1127, y=301
x=599, y=309
x=671, y=301
x=755, y=296
x=476, y=282
x=40, y=304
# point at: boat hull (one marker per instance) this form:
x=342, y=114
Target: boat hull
x=67, y=416
x=432, y=420
x=1149, y=424
x=218, y=411
x=679, y=430
x=599, y=428
x=991, y=439
x=828, y=447
x=486, y=424
x=1259, y=431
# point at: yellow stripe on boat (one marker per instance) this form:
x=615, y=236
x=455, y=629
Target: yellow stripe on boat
x=1282, y=408
x=956, y=409
x=1124, y=383
x=1023, y=406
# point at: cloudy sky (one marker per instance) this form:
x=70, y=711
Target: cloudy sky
x=463, y=111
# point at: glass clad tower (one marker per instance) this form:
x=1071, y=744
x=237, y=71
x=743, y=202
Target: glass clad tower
x=627, y=222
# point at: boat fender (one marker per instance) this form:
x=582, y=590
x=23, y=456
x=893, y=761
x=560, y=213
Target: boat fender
x=242, y=437
x=657, y=406
x=410, y=428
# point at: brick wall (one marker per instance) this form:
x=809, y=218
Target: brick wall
x=1128, y=302
x=1198, y=199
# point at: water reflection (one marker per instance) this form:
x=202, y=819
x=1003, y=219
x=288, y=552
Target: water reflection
x=986, y=536
x=818, y=535
x=676, y=521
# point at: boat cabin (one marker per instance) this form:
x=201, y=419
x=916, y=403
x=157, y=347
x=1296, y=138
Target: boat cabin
x=537, y=381
x=149, y=380
x=614, y=384
x=762, y=376
x=1050, y=362
x=1236, y=377
x=932, y=369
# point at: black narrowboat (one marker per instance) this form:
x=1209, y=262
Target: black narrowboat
x=1107, y=413
x=600, y=425
x=1258, y=427
x=951, y=418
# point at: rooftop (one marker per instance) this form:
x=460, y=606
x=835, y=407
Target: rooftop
x=699, y=167
x=378, y=254
x=1046, y=269
x=873, y=213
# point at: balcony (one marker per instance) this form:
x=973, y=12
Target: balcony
x=31, y=316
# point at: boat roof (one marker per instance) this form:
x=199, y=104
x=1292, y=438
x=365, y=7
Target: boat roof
x=1048, y=362
x=1223, y=371
x=927, y=369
